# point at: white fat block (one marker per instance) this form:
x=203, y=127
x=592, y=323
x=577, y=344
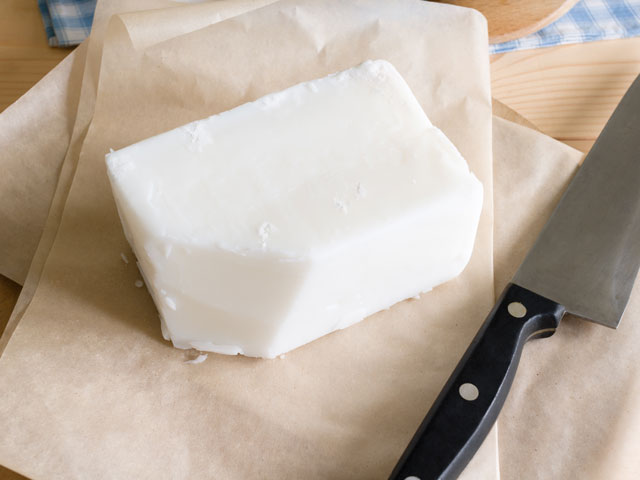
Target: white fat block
x=262, y=228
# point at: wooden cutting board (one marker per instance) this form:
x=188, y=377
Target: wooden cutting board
x=511, y=19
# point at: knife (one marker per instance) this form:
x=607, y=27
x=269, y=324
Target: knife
x=584, y=262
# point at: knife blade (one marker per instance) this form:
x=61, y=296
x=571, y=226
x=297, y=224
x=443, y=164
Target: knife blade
x=584, y=262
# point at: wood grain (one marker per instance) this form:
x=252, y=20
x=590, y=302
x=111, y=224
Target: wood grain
x=511, y=19
x=570, y=91
x=6, y=474
x=9, y=292
x=25, y=56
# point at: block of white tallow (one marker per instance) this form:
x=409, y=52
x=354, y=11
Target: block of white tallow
x=267, y=226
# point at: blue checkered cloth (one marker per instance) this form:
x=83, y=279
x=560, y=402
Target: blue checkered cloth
x=67, y=22
x=587, y=21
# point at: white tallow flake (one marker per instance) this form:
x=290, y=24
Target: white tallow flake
x=328, y=162
x=124, y=258
x=264, y=232
x=199, y=359
x=171, y=303
x=341, y=205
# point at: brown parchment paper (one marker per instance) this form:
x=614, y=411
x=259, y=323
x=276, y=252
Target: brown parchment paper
x=574, y=409
x=35, y=132
x=608, y=451
x=87, y=364
x=41, y=144
x=41, y=134
x=40, y=137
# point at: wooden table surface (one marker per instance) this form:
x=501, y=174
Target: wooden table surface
x=568, y=92
x=511, y=19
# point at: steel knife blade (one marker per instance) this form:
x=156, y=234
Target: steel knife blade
x=585, y=262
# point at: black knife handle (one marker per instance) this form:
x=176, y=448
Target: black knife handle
x=470, y=401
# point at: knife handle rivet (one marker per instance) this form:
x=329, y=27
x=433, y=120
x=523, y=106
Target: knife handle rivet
x=412, y=477
x=516, y=309
x=469, y=391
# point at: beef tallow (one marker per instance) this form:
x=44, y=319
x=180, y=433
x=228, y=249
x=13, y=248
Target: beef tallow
x=262, y=228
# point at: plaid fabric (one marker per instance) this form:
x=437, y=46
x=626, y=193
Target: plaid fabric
x=587, y=21
x=67, y=22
